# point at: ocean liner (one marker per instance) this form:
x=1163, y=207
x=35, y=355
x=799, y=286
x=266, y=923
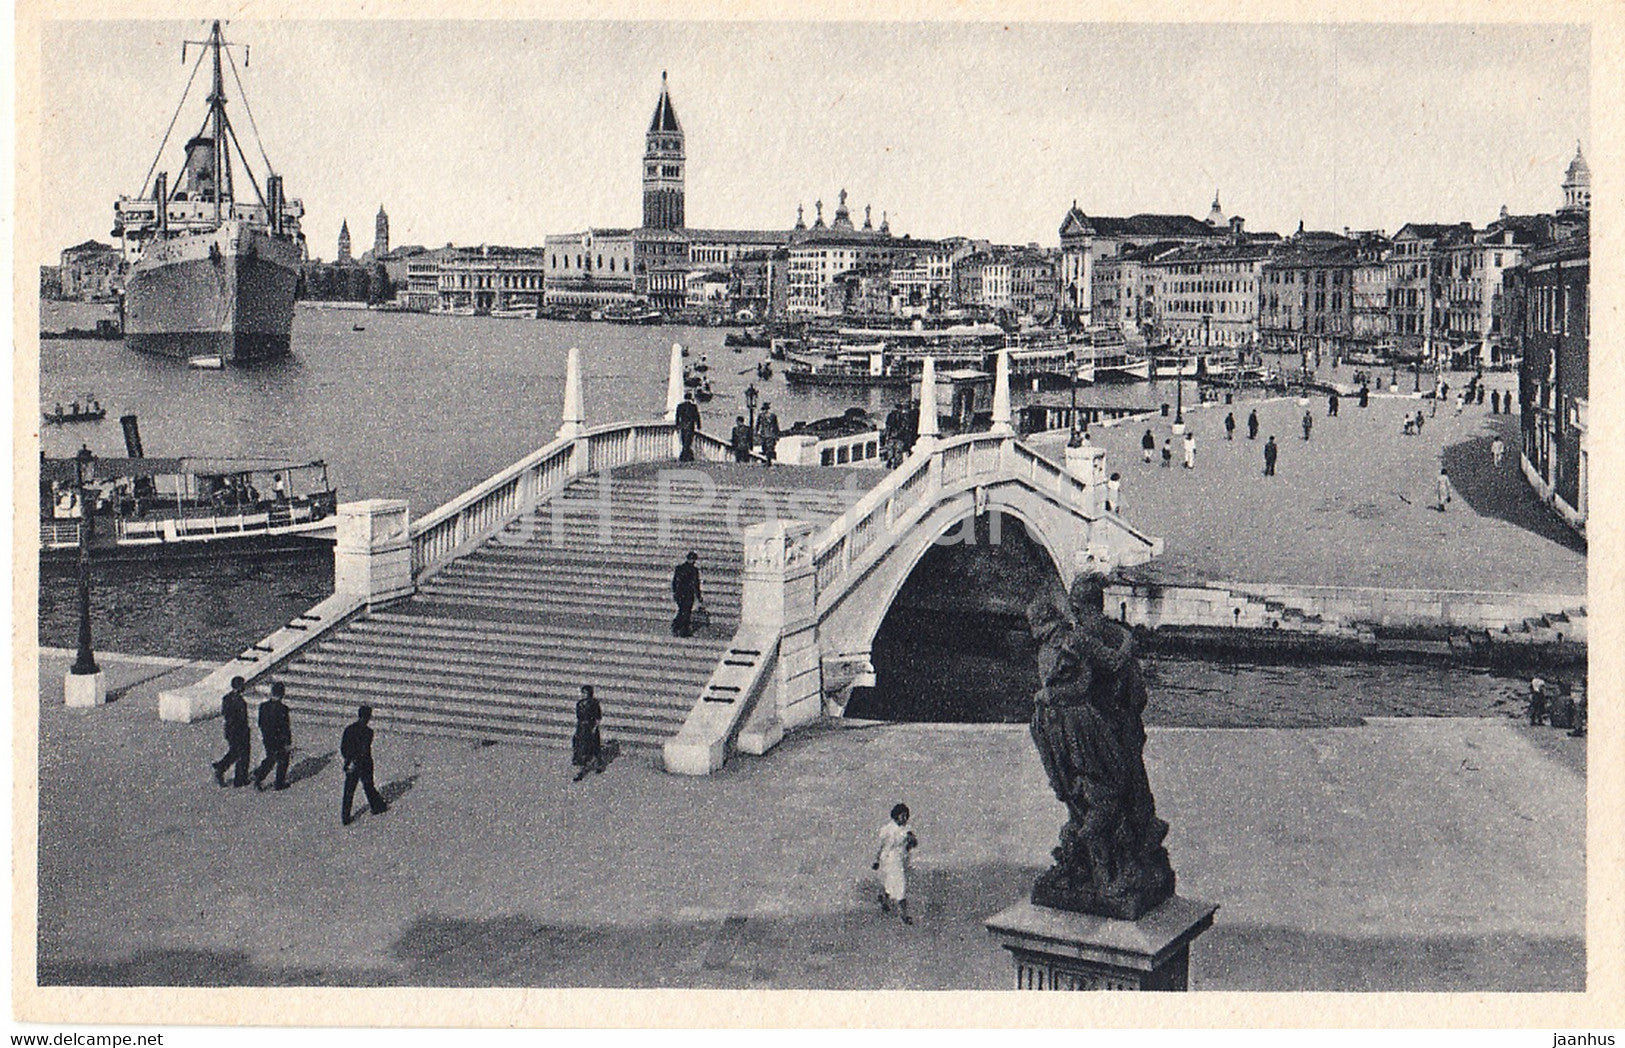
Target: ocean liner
x=211, y=275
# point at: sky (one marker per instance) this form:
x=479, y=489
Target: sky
x=504, y=132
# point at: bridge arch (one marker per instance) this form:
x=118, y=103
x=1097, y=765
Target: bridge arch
x=847, y=626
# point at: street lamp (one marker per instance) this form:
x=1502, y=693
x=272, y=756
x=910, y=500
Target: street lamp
x=750, y=404
x=83, y=684
x=1076, y=439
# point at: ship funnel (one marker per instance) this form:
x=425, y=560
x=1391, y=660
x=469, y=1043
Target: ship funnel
x=132, y=435
x=197, y=180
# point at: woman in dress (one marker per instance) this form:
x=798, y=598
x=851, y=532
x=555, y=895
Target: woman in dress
x=896, y=841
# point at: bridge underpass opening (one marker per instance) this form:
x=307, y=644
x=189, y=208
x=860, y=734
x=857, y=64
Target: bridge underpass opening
x=954, y=645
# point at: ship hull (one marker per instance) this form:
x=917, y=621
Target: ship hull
x=228, y=292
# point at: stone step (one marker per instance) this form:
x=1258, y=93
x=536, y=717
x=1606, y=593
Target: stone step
x=645, y=619
x=597, y=637
x=526, y=732
x=718, y=594
x=616, y=572
x=559, y=674
x=624, y=607
x=465, y=706
x=659, y=699
x=648, y=649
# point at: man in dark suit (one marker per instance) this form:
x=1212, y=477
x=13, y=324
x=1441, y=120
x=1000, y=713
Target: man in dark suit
x=688, y=424
x=356, y=749
x=276, y=735
x=234, y=710
x=685, y=589
x=740, y=439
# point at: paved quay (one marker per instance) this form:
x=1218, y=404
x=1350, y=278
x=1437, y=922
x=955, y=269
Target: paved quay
x=1416, y=854
x=1351, y=506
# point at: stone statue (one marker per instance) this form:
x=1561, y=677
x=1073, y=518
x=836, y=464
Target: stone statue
x=1090, y=736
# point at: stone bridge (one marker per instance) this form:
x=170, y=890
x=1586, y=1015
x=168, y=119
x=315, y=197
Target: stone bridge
x=481, y=619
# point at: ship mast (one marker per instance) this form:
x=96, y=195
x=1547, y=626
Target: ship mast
x=217, y=117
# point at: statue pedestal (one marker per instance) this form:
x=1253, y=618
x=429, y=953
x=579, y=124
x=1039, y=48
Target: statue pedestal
x=1061, y=950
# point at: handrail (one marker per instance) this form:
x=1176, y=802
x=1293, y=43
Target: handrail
x=473, y=517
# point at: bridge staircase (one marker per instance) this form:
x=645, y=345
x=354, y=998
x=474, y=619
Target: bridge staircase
x=496, y=645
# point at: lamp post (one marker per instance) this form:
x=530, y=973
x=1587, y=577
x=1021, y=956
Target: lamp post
x=83, y=685
x=1076, y=439
x=750, y=404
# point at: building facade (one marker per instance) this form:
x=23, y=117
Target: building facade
x=1086, y=240
x=589, y=270
x=1549, y=319
x=344, y=256
x=492, y=279
x=1208, y=295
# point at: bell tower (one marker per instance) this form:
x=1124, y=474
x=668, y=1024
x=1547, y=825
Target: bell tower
x=663, y=159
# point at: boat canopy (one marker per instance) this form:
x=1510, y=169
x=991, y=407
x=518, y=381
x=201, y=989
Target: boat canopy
x=63, y=470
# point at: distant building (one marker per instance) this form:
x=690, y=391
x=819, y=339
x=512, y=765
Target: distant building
x=419, y=287
x=1122, y=291
x=819, y=255
x=50, y=282
x=663, y=160
x=590, y=269
x=1324, y=293
x=1411, y=283
x=380, y=235
x=1085, y=240
x=1548, y=313
x=493, y=278
x=1208, y=294
x=344, y=244
x=91, y=270
x=1577, y=185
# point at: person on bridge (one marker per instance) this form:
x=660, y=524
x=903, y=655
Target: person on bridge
x=1230, y=426
x=767, y=432
x=1148, y=444
x=685, y=590
x=740, y=439
x=587, y=746
x=688, y=424
x=1252, y=424
x=1114, y=486
x=276, y=735
x=896, y=841
x=234, y=711
x=1190, y=449
x=355, y=746
x=1308, y=424
x=1270, y=451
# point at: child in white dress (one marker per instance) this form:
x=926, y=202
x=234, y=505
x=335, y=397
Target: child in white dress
x=896, y=841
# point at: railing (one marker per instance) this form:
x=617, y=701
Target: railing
x=895, y=504
x=59, y=534
x=485, y=509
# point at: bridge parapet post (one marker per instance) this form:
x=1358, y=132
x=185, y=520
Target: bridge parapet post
x=780, y=593
x=372, y=558
x=1087, y=463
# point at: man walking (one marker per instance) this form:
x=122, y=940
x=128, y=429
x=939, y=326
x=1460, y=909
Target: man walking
x=1230, y=426
x=1308, y=424
x=1252, y=424
x=1498, y=450
x=276, y=735
x=356, y=749
x=234, y=711
x=767, y=432
x=1190, y=449
x=1167, y=452
x=1331, y=405
x=1365, y=396
x=685, y=590
x=1444, y=488
x=587, y=746
x=739, y=439
x=1270, y=452
x=688, y=424
x=1148, y=444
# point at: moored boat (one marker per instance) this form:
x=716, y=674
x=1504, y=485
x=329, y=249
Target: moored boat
x=210, y=273
x=142, y=507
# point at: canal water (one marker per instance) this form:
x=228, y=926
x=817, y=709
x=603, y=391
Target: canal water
x=422, y=407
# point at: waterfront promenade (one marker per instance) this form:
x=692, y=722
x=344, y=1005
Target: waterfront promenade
x=491, y=868
x=1352, y=506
